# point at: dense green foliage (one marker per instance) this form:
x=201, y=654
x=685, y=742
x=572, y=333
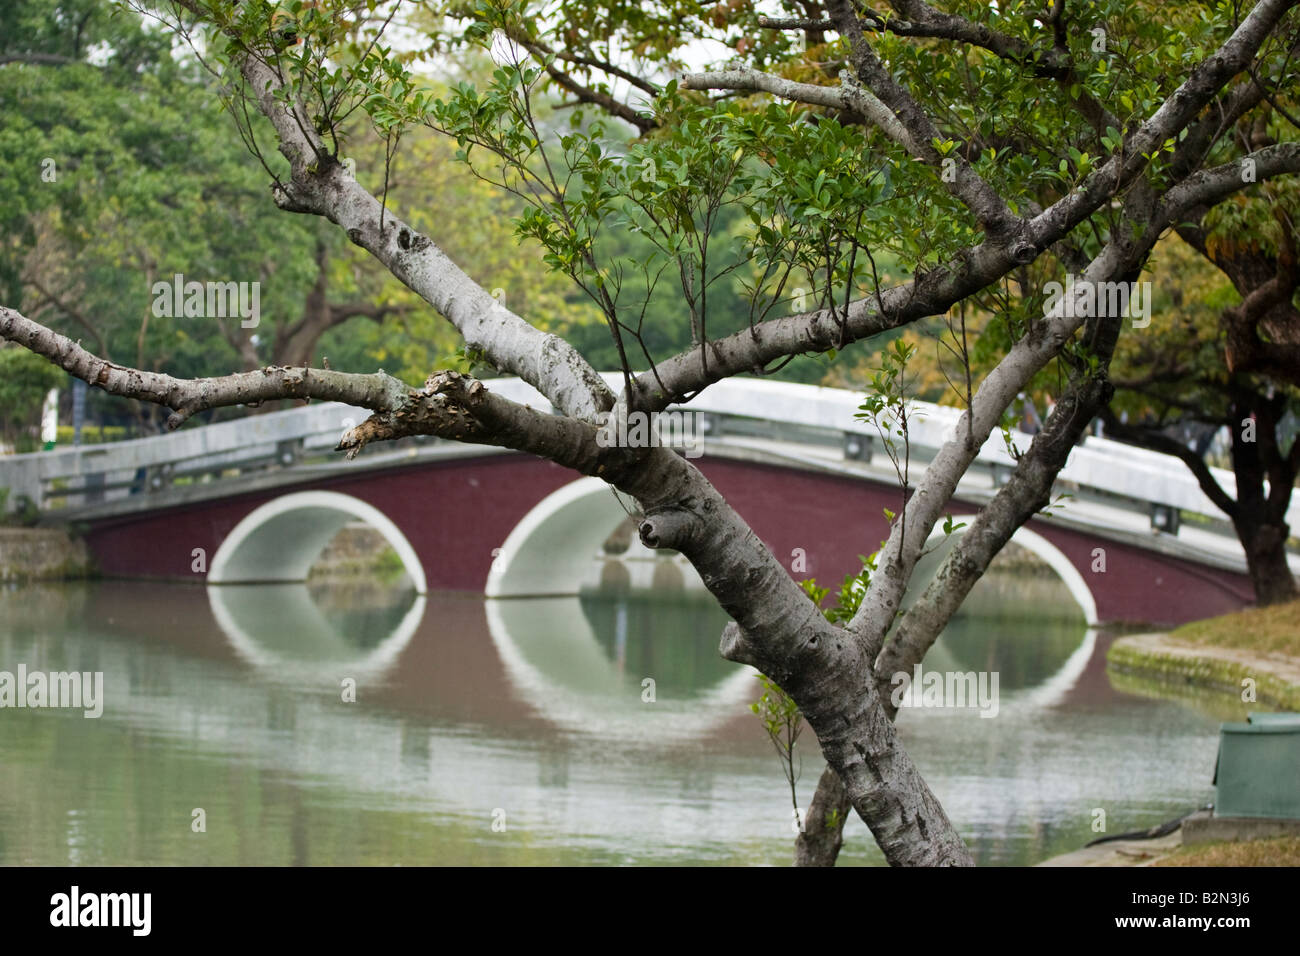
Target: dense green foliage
x=677, y=220
x=25, y=378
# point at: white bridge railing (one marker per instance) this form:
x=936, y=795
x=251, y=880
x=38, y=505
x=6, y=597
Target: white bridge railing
x=78, y=479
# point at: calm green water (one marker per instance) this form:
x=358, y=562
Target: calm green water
x=529, y=714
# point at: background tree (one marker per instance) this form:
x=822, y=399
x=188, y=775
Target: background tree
x=25, y=380
x=119, y=170
x=118, y=167
x=1181, y=389
x=1231, y=359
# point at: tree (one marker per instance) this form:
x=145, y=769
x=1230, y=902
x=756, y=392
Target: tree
x=25, y=380
x=929, y=136
x=120, y=172
x=1233, y=365
x=119, y=169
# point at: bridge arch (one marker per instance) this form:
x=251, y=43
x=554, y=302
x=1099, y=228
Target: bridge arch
x=575, y=520
x=1037, y=545
x=280, y=540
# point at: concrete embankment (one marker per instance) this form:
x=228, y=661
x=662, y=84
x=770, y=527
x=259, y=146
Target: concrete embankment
x=1274, y=678
x=1120, y=852
x=42, y=554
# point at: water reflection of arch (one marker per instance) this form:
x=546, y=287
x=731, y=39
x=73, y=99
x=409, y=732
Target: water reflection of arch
x=1053, y=690
x=1025, y=701
x=576, y=519
x=252, y=617
x=580, y=689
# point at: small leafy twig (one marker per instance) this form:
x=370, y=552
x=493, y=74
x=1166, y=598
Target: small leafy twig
x=783, y=723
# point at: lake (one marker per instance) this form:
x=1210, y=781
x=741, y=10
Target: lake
x=526, y=732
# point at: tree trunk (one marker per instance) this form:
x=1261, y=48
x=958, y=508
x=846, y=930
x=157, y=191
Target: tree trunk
x=1265, y=477
x=1266, y=558
x=818, y=844
x=1027, y=491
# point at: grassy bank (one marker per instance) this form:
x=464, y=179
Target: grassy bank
x=1221, y=653
x=1280, y=851
x=1268, y=630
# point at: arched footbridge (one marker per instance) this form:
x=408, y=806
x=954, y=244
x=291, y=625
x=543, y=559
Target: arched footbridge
x=256, y=500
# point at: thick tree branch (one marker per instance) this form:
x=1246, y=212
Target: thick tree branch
x=450, y=405
x=322, y=186
x=1027, y=491
x=907, y=538
x=794, y=23
x=185, y=397
x=1211, y=186
x=852, y=98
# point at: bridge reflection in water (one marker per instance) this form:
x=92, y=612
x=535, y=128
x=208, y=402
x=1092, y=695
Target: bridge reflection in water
x=317, y=647
x=536, y=706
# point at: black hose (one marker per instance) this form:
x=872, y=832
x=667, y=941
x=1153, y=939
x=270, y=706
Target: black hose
x=1160, y=830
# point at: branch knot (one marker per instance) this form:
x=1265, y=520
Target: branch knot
x=667, y=529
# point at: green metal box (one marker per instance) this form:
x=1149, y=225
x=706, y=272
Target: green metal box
x=1258, y=770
